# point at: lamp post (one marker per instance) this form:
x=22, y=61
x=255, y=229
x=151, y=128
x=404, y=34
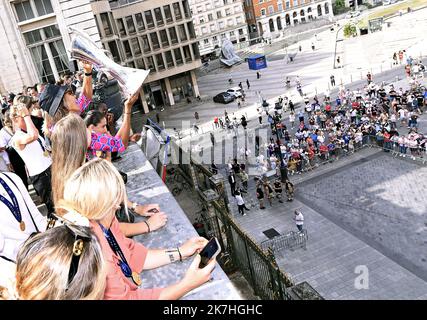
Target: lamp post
x=336, y=42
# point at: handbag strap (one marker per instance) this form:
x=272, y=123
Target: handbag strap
x=29, y=212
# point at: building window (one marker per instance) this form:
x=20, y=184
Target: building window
x=218, y=14
x=178, y=56
x=121, y=27
x=227, y=12
x=145, y=44
x=230, y=22
x=24, y=11
x=177, y=11
x=128, y=51
x=212, y=28
x=130, y=24
x=279, y=7
x=190, y=27
x=261, y=1
x=139, y=22
x=169, y=59
x=215, y=39
x=204, y=30
x=196, y=51
x=201, y=20
x=186, y=7
x=239, y=20
x=154, y=40
x=149, y=19
x=187, y=54
x=173, y=36
x=199, y=9
x=43, y=7
x=43, y=43
x=131, y=64
x=231, y=33
x=240, y=32
x=135, y=46
x=114, y=50
x=164, y=38
x=168, y=13
x=106, y=24
x=182, y=33
x=270, y=9
x=288, y=4
x=221, y=24
x=140, y=63
x=210, y=17
x=159, y=17
x=150, y=63
x=263, y=12
x=295, y=3
x=206, y=41
x=160, y=62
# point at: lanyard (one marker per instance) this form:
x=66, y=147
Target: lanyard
x=45, y=153
x=124, y=265
x=14, y=206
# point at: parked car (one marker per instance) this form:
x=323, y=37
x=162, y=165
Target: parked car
x=352, y=14
x=236, y=91
x=224, y=97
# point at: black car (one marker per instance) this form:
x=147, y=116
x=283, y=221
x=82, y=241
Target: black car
x=224, y=97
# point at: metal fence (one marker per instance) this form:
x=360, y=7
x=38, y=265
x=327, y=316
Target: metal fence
x=289, y=241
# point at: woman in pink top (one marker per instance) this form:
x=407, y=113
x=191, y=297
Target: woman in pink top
x=94, y=191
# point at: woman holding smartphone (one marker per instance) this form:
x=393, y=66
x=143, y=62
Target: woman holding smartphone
x=86, y=194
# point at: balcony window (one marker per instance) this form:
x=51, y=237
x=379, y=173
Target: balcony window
x=169, y=59
x=182, y=33
x=173, y=36
x=196, y=51
x=128, y=51
x=135, y=46
x=177, y=11
x=130, y=24
x=140, y=63
x=154, y=40
x=186, y=7
x=145, y=44
x=210, y=17
x=24, y=11
x=190, y=26
x=218, y=14
x=164, y=38
x=150, y=63
x=139, y=22
x=52, y=32
x=106, y=24
x=121, y=27
x=160, y=62
x=43, y=7
x=112, y=46
x=159, y=17
x=168, y=13
x=178, y=56
x=149, y=19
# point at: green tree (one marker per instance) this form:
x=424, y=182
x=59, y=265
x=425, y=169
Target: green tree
x=350, y=30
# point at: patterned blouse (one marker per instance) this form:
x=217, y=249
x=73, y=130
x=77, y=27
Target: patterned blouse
x=105, y=143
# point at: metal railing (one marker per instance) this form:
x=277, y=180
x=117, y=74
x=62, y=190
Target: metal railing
x=289, y=241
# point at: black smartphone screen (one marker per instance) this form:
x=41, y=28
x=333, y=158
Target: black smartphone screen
x=208, y=252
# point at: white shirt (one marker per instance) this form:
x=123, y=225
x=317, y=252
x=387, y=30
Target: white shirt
x=32, y=155
x=11, y=236
x=299, y=219
x=239, y=200
x=5, y=137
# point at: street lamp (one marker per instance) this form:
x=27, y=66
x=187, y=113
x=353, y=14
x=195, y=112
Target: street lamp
x=336, y=42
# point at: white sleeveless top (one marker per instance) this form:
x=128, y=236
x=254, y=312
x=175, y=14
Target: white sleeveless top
x=32, y=155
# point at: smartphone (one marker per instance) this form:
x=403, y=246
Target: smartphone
x=210, y=251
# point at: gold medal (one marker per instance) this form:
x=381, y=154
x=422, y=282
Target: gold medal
x=136, y=278
x=22, y=225
x=46, y=153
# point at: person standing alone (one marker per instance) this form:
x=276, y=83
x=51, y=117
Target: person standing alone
x=240, y=203
x=299, y=220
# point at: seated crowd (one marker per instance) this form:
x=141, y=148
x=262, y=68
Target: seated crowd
x=53, y=138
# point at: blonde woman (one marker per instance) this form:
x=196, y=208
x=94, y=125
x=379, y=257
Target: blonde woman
x=70, y=142
x=85, y=193
x=64, y=263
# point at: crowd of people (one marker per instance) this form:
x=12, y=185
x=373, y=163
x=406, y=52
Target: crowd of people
x=54, y=138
